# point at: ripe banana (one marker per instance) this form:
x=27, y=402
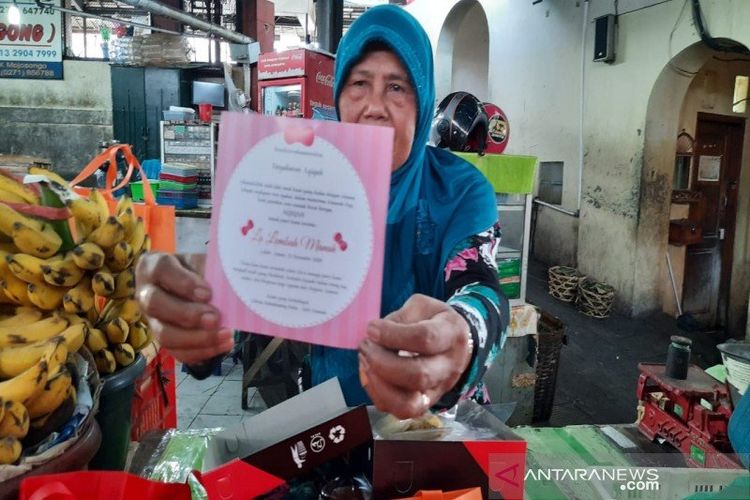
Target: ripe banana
x=105, y=361
x=15, y=187
x=108, y=234
x=8, y=197
x=126, y=214
x=48, y=174
x=117, y=331
x=8, y=217
x=139, y=336
x=130, y=311
x=15, y=289
x=29, y=383
x=124, y=284
x=119, y=256
x=15, y=423
x=103, y=283
x=124, y=354
x=100, y=202
x=80, y=298
x=54, y=394
x=88, y=256
x=45, y=296
x=62, y=272
x=15, y=360
x=26, y=267
x=22, y=316
x=10, y=450
x=86, y=214
x=138, y=235
x=96, y=340
x=43, y=329
x=44, y=242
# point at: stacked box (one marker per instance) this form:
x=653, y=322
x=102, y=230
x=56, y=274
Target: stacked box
x=178, y=186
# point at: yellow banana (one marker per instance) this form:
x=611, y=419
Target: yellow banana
x=26, y=267
x=10, y=197
x=103, y=283
x=8, y=217
x=15, y=289
x=102, y=208
x=88, y=256
x=139, y=336
x=48, y=174
x=44, y=242
x=126, y=214
x=130, y=311
x=15, y=423
x=19, y=189
x=96, y=340
x=43, y=329
x=108, y=234
x=44, y=296
x=17, y=359
x=29, y=383
x=138, y=235
x=10, y=450
x=54, y=394
x=124, y=354
x=117, y=331
x=86, y=214
x=119, y=256
x=62, y=272
x=22, y=316
x=2, y=409
x=109, y=312
x=105, y=361
x=80, y=298
x=124, y=284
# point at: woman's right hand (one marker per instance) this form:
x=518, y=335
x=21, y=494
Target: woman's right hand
x=175, y=297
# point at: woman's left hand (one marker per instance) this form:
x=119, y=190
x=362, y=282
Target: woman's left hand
x=414, y=355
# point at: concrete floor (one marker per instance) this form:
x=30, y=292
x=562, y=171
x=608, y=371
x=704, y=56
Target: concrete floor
x=598, y=369
x=596, y=379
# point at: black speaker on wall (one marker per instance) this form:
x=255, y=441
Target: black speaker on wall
x=604, y=38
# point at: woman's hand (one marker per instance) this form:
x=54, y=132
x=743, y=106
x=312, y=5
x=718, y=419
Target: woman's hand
x=174, y=296
x=414, y=355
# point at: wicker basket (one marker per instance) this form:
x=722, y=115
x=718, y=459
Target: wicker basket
x=563, y=282
x=551, y=339
x=595, y=298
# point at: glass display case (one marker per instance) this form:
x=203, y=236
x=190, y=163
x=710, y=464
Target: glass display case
x=514, y=214
x=282, y=100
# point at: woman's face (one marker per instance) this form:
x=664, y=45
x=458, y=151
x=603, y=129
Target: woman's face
x=378, y=92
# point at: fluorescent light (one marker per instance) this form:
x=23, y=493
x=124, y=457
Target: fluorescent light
x=14, y=14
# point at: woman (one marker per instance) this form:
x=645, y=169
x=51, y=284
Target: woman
x=444, y=318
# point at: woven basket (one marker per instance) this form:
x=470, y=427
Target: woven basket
x=551, y=339
x=594, y=298
x=563, y=282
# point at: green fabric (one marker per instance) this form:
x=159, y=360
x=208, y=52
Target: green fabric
x=506, y=173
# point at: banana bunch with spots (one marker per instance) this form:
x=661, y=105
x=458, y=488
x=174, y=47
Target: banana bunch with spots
x=67, y=281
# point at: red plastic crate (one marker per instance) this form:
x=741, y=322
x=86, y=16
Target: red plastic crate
x=155, y=399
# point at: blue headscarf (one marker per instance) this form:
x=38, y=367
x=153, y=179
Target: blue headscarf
x=436, y=199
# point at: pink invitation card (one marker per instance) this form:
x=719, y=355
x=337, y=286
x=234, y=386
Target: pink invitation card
x=298, y=227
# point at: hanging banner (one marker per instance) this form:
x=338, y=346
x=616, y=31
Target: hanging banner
x=31, y=46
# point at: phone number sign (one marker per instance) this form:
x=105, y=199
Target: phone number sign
x=31, y=48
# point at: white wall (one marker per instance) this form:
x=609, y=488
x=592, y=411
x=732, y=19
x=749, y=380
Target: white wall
x=535, y=75
x=471, y=54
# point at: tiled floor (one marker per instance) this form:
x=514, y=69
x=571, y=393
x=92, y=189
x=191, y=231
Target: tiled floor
x=215, y=401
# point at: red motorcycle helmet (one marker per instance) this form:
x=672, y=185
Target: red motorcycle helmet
x=499, y=129
x=460, y=124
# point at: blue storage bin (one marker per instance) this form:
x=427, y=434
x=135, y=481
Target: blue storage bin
x=152, y=168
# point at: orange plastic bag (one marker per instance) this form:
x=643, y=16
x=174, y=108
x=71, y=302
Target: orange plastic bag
x=158, y=219
x=467, y=494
